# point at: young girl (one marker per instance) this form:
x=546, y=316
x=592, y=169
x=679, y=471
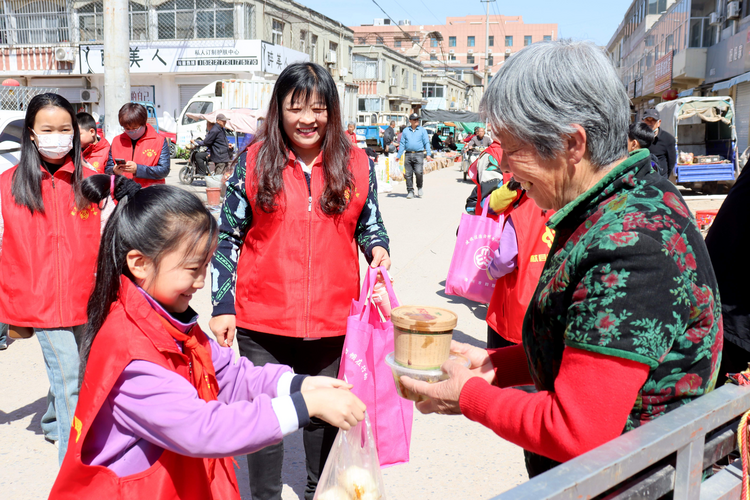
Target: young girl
x=50, y=237
x=162, y=406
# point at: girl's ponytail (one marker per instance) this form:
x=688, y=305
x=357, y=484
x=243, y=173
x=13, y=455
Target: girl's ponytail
x=98, y=188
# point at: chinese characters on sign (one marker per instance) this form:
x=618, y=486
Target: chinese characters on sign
x=663, y=76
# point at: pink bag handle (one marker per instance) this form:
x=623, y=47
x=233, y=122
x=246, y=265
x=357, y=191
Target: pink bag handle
x=368, y=284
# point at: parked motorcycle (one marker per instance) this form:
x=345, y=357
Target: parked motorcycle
x=469, y=157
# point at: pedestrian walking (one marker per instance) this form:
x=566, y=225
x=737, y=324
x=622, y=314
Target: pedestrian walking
x=415, y=145
x=664, y=146
x=139, y=153
x=50, y=237
x=95, y=149
x=351, y=132
x=301, y=200
x=217, y=144
x=158, y=395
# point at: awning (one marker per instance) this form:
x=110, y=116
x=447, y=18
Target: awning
x=745, y=77
x=686, y=93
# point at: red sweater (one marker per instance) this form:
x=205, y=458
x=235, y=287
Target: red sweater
x=563, y=424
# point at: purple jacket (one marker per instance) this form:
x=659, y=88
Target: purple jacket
x=151, y=409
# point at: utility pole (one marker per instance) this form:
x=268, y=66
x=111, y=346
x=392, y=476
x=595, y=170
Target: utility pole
x=487, y=44
x=116, y=63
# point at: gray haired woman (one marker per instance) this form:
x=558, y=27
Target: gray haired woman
x=624, y=325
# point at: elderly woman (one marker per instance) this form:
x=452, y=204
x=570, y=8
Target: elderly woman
x=624, y=325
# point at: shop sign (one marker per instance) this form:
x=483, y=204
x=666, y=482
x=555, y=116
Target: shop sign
x=196, y=57
x=142, y=93
x=663, y=74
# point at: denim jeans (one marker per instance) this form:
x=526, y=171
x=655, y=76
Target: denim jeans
x=3, y=333
x=413, y=166
x=60, y=351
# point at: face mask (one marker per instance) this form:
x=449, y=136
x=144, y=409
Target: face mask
x=54, y=146
x=137, y=133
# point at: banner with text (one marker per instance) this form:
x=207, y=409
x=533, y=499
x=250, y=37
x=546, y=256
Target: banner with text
x=663, y=75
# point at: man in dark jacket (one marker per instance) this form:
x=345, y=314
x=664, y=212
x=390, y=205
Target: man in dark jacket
x=388, y=135
x=664, y=146
x=217, y=144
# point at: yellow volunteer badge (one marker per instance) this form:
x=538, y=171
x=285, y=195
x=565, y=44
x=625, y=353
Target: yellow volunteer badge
x=348, y=194
x=84, y=214
x=548, y=237
x=77, y=426
x=150, y=153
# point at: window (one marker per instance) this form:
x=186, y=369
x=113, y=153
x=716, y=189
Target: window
x=397, y=44
x=277, y=32
x=547, y=38
x=492, y=41
x=362, y=40
x=414, y=82
x=509, y=41
x=197, y=107
x=185, y=19
x=470, y=59
x=39, y=22
x=249, y=21
x=379, y=40
x=657, y=6
x=490, y=61
x=452, y=57
x=469, y=41
x=451, y=41
x=433, y=57
x=432, y=90
x=405, y=79
x=370, y=104
x=433, y=42
x=314, y=48
x=527, y=40
x=303, y=41
x=333, y=49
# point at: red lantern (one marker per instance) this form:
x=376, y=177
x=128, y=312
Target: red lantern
x=10, y=82
x=669, y=95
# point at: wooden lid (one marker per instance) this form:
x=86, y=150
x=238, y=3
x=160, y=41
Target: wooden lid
x=424, y=318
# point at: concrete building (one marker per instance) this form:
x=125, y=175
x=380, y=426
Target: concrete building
x=444, y=91
x=461, y=41
x=389, y=84
x=177, y=46
x=694, y=47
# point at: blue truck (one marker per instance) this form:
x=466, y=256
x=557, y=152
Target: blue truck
x=704, y=130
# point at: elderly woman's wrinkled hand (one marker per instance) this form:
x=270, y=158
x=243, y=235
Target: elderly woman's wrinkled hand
x=443, y=396
x=481, y=366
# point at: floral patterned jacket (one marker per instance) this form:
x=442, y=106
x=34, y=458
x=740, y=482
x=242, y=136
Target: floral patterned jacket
x=628, y=275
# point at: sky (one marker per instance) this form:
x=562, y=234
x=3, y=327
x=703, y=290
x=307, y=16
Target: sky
x=594, y=20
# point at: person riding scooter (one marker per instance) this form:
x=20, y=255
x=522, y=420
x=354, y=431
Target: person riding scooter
x=217, y=144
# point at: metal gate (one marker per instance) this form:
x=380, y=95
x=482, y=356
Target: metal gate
x=17, y=98
x=186, y=93
x=742, y=122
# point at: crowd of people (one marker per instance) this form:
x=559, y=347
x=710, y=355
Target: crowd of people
x=606, y=301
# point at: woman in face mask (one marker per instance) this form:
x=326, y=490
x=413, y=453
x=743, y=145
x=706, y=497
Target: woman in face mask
x=139, y=153
x=49, y=236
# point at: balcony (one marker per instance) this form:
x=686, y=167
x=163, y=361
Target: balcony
x=689, y=66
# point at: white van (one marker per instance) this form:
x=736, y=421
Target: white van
x=221, y=94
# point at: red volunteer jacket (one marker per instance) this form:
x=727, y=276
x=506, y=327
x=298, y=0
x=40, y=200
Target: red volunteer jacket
x=97, y=154
x=299, y=268
x=147, y=151
x=133, y=331
x=513, y=291
x=48, y=260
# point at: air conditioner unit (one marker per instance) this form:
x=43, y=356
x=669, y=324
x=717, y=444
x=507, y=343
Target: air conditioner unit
x=714, y=19
x=733, y=10
x=489, y=51
x=452, y=51
x=331, y=57
x=65, y=54
x=344, y=72
x=470, y=51
x=507, y=51
x=433, y=51
x=89, y=95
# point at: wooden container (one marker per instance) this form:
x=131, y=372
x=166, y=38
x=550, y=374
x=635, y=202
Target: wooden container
x=422, y=336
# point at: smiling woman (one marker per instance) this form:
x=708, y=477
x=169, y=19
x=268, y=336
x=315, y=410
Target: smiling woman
x=625, y=321
x=301, y=200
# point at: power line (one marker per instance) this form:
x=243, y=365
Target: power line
x=428, y=10
x=399, y=27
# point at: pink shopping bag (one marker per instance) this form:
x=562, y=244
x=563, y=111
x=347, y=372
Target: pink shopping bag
x=369, y=339
x=477, y=241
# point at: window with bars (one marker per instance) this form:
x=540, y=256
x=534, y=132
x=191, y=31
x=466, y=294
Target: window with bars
x=277, y=32
x=303, y=41
x=91, y=22
x=314, y=48
x=470, y=59
x=42, y=22
x=249, y=21
x=186, y=19
x=492, y=40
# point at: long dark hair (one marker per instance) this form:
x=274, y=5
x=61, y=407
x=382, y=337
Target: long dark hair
x=27, y=179
x=154, y=221
x=303, y=80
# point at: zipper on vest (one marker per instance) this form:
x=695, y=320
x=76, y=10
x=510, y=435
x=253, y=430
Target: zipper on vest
x=309, y=253
x=57, y=256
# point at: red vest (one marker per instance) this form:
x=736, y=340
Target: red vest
x=147, y=152
x=133, y=331
x=513, y=291
x=97, y=155
x=48, y=260
x=299, y=268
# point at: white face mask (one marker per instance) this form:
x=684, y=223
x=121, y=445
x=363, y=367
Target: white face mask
x=54, y=146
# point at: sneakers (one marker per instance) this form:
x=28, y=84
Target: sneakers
x=420, y=192
x=410, y=195
x=3, y=346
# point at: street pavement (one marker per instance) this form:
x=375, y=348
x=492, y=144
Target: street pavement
x=451, y=457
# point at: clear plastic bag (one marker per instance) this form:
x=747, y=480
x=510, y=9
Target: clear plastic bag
x=352, y=471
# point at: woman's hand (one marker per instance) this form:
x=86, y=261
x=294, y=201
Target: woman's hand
x=130, y=167
x=481, y=365
x=338, y=407
x=314, y=383
x=224, y=327
x=380, y=257
x=444, y=396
